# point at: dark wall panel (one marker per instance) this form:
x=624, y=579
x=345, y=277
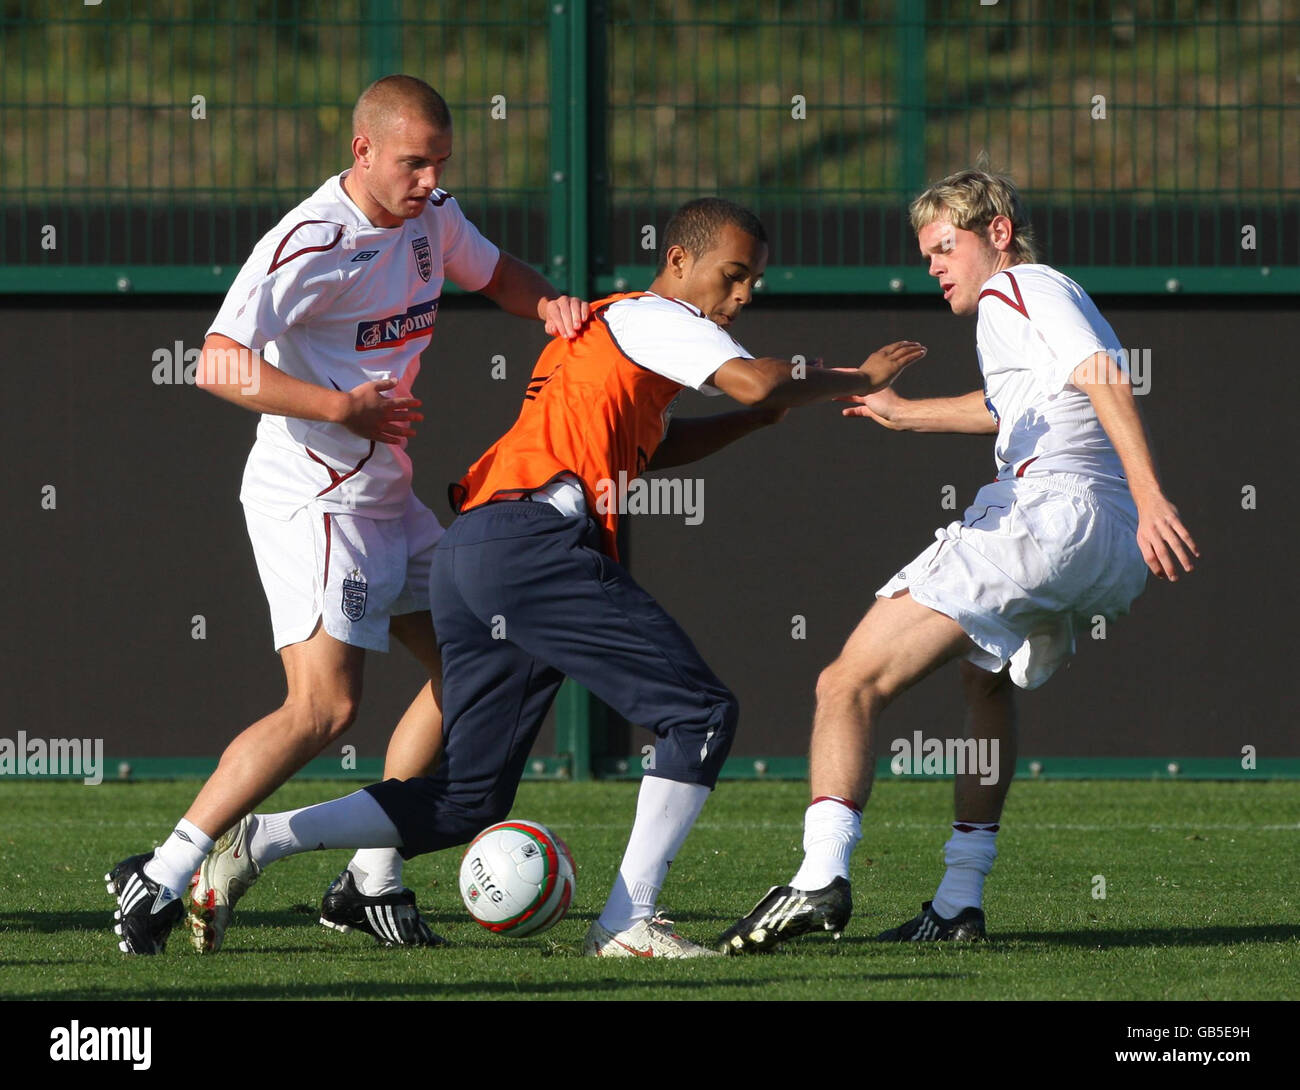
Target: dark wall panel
x=806, y=518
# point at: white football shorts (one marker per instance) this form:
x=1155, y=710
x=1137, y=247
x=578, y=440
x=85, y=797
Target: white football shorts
x=349, y=572
x=1030, y=560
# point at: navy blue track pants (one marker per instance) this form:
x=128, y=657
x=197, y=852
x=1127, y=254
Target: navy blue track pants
x=522, y=596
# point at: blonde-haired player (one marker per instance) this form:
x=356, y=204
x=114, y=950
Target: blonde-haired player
x=1068, y=530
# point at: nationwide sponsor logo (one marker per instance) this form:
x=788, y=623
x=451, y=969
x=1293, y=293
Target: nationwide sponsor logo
x=378, y=333
x=423, y=257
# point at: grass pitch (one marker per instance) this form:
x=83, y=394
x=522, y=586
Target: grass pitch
x=1200, y=901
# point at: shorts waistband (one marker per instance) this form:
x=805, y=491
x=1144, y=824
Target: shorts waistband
x=1112, y=497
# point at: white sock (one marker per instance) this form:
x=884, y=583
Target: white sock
x=377, y=871
x=969, y=853
x=832, y=827
x=665, y=812
x=354, y=821
x=175, y=861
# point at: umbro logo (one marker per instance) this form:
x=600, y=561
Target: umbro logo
x=364, y=255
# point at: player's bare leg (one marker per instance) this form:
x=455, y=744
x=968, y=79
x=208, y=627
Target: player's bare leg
x=416, y=745
x=991, y=716
x=957, y=908
x=324, y=683
x=324, y=689
x=896, y=644
x=413, y=750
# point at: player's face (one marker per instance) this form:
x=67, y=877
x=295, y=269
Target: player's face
x=961, y=261
x=721, y=281
x=399, y=171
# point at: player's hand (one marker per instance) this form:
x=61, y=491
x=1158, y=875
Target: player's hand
x=371, y=415
x=1164, y=540
x=880, y=406
x=886, y=364
x=565, y=315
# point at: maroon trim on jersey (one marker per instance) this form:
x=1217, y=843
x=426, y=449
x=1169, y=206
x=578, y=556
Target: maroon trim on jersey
x=687, y=306
x=334, y=473
x=336, y=478
x=276, y=262
x=326, y=582
x=1025, y=465
x=1019, y=303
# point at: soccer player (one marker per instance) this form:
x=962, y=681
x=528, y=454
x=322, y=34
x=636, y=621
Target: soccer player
x=526, y=587
x=321, y=333
x=1067, y=531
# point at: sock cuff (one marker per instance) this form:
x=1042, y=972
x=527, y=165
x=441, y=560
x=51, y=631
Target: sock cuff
x=192, y=834
x=975, y=826
x=837, y=798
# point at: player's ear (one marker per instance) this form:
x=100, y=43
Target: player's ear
x=676, y=261
x=362, y=148
x=1001, y=230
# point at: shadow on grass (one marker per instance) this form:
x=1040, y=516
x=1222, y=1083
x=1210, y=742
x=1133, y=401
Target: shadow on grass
x=1153, y=936
x=49, y=923
x=433, y=989
x=298, y=916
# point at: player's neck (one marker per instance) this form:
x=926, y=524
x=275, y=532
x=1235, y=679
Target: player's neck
x=374, y=212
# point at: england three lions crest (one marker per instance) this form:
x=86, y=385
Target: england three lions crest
x=423, y=257
x=354, y=596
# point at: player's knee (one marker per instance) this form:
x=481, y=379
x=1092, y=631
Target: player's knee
x=844, y=684
x=323, y=718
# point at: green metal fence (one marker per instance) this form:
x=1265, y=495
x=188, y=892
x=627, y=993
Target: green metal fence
x=143, y=147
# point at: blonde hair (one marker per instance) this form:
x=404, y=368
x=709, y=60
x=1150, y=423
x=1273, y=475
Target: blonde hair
x=970, y=200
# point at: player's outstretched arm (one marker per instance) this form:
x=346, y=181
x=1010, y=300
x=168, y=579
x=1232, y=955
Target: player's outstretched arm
x=1161, y=535
x=967, y=415
x=239, y=375
x=520, y=290
x=689, y=440
x=770, y=383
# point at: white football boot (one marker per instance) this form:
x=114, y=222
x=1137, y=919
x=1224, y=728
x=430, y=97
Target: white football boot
x=652, y=938
x=223, y=878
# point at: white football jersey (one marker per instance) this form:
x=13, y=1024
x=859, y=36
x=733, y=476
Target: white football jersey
x=1036, y=325
x=331, y=299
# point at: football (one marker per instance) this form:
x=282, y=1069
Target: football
x=517, y=878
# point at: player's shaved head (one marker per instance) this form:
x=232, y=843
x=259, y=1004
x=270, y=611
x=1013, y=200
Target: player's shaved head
x=970, y=200
x=695, y=226
x=393, y=97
